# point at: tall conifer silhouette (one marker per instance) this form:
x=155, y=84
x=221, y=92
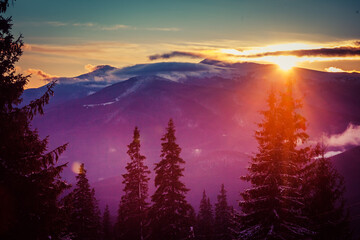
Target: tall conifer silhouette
x=205, y=219
x=133, y=207
x=273, y=208
x=107, y=230
x=30, y=181
x=170, y=213
x=84, y=211
x=222, y=216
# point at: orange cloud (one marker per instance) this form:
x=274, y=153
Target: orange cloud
x=41, y=74
x=90, y=67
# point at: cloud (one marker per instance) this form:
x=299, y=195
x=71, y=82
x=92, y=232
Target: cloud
x=351, y=136
x=321, y=52
x=336, y=69
x=56, y=24
x=164, y=29
x=117, y=27
x=96, y=51
x=121, y=26
x=176, y=54
x=332, y=153
x=90, y=67
x=41, y=74
x=106, y=27
x=38, y=78
x=300, y=52
x=89, y=24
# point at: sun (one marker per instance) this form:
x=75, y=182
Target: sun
x=285, y=63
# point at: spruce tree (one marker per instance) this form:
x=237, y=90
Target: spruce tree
x=84, y=213
x=170, y=213
x=205, y=220
x=107, y=231
x=30, y=179
x=222, y=216
x=273, y=208
x=325, y=201
x=133, y=206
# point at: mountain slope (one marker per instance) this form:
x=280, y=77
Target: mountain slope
x=215, y=107
x=348, y=165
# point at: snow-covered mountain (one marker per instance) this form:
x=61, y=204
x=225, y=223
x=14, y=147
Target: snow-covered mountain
x=215, y=107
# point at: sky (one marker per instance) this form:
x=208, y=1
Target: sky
x=70, y=37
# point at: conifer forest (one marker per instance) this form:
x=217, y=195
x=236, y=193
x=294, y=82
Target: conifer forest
x=219, y=149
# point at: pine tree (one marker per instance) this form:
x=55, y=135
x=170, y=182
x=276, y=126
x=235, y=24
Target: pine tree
x=274, y=207
x=325, y=201
x=133, y=206
x=205, y=220
x=106, y=225
x=84, y=213
x=192, y=223
x=222, y=216
x=30, y=179
x=170, y=213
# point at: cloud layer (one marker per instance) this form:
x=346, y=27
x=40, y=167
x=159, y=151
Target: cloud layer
x=41, y=74
x=336, y=69
x=321, y=52
x=114, y=27
x=176, y=54
x=351, y=136
x=352, y=50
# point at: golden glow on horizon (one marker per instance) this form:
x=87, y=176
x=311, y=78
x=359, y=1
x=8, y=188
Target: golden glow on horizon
x=231, y=51
x=280, y=47
x=285, y=63
x=63, y=60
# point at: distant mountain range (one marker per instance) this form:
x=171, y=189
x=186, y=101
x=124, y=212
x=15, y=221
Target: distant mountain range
x=215, y=107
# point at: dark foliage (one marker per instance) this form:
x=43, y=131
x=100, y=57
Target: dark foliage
x=133, y=207
x=325, y=205
x=170, y=213
x=205, y=220
x=30, y=181
x=107, y=230
x=222, y=216
x=274, y=207
x=84, y=215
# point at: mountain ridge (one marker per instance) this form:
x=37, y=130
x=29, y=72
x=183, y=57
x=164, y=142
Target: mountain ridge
x=212, y=113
